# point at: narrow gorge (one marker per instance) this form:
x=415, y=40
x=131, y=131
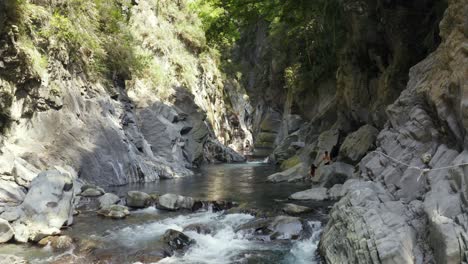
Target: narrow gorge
x=232, y=131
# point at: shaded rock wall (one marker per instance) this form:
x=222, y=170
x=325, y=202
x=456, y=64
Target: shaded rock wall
x=112, y=131
x=427, y=118
x=384, y=39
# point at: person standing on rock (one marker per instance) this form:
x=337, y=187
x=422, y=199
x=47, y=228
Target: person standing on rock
x=326, y=158
x=312, y=170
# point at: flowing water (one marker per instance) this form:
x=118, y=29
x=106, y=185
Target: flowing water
x=137, y=238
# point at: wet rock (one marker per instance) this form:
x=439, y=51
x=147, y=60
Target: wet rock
x=250, y=211
x=57, y=242
x=199, y=228
x=258, y=226
x=285, y=227
x=335, y=173
x=172, y=202
x=176, y=242
x=295, y=173
x=215, y=152
x=6, y=231
x=294, y=209
x=107, y=200
x=115, y=211
x=138, y=199
x=358, y=143
x=315, y=194
x=274, y=228
x=222, y=205
x=91, y=192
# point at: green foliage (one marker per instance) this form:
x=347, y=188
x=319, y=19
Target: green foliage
x=300, y=31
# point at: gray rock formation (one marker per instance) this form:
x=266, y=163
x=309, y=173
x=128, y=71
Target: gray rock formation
x=357, y=144
x=420, y=217
x=335, y=173
x=47, y=206
x=369, y=226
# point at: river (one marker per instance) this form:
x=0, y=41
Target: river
x=137, y=238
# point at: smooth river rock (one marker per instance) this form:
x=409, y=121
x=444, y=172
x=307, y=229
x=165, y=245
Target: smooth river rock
x=137, y=199
x=315, y=194
x=172, y=202
x=115, y=211
x=294, y=209
x=108, y=199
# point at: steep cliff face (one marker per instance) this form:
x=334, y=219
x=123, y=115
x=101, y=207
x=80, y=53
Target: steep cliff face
x=112, y=128
x=383, y=40
x=425, y=210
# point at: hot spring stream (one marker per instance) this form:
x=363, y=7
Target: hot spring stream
x=137, y=238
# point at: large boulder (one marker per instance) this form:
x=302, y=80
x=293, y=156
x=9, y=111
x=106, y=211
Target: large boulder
x=295, y=173
x=47, y=206
x=176, y=241
x=335, y=173
x=358, y=143
x=172, y=202
x=367, y=226
x=6, y=231
x=108, y=199
x=137, y=199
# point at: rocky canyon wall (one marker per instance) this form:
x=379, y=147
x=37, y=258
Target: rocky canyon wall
x=113, y=128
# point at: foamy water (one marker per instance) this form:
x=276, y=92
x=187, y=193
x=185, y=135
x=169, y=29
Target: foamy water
x=223, y=244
